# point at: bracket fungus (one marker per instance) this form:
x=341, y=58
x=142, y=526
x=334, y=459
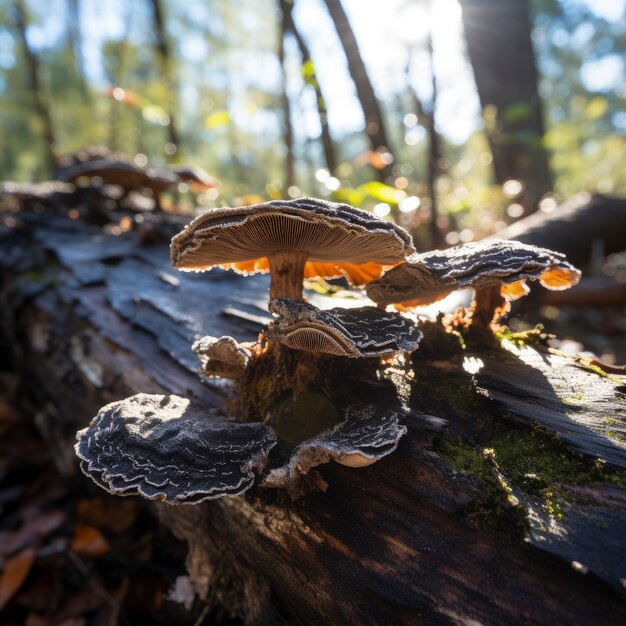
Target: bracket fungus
x=355, y=333
x=222, y=356
x=165, y=448
x=292, y=239
x=496, y=269
x=366, y=434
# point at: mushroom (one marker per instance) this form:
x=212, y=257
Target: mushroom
x=195, y=176
x=165, y=448
x=496, y=269
x=292, y=240
x=366, y=434
x=122, y=173
x=355, y=333
x=223, y=357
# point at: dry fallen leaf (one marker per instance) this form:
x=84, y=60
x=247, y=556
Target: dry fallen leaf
x=39, y=527
x=88, y=541
x=14, y=573
x=98, y=512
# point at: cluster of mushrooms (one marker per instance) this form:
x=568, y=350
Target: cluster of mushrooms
x=302, y=390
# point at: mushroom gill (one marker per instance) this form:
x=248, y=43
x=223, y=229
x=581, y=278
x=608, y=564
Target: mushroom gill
x=311, y=339
x=295, y=239
x=356, y=333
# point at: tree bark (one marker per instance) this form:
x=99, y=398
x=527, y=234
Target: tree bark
x=501, y=53
x=430, y=534
x=34, y=80
x=374, y=122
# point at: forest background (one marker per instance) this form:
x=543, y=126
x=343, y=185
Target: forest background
x=276, y=99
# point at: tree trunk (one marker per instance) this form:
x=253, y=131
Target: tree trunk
x=431, y=534
x=501, y=53
x=76, y=45
x=310, y=78
x=34, y=80
x=290, y=176
x=165, y=56
x=374, y=123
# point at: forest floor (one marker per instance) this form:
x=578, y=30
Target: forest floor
x=72, y=555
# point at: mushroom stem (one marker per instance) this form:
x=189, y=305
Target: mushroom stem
x=488, y=307
x=287, y=273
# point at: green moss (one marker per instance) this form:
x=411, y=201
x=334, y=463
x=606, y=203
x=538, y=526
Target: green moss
x=539, y=462
x=497, y=507
x=534, y=337
x=534, y=459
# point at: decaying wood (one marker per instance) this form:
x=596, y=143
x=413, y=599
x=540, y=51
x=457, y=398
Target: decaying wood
x=446, y=530
x=585, y=228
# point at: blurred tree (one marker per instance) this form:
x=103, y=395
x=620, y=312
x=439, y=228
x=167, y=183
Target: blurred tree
x=285, y=23
x=500, y=49
x=580, y=59
x=426, y=117
x=34, y=83
x=310, y=78
x=76, y=45
x=165, y=57
x=374, y=123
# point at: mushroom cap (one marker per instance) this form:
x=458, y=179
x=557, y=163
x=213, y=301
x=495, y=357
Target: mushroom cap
x=165, y=448
x=121, y=172
x=426, y=278
x=222, y=356
x=365, y=435
x=338, y=239
x=194, y=175
x=356, y=333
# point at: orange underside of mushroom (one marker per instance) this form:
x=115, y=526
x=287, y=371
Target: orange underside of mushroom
x=554, y=279
x=356, y=274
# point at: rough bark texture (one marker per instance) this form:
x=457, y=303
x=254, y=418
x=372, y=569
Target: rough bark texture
x=431, y=534
x=499, y=46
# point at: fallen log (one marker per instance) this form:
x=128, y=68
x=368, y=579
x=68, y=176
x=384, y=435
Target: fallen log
x=585, y=227
x=505, y=502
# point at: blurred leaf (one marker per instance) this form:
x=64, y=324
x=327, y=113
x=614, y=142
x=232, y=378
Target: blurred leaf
x=217, y=119
x=29, y=532
x=596, y=108
x=517, y=112
x=153, y=113
x=349, y=195
x=88, y=541
x=123, y=95
x=379, y=191
x=98, y=512
x=14, y=573
x=308, y=70
x=371, y=157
